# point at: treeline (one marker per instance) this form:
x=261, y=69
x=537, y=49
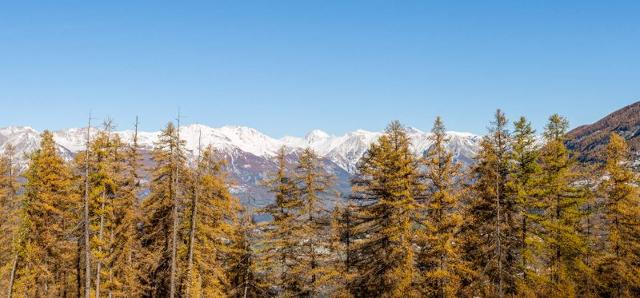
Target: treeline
x=525, y=219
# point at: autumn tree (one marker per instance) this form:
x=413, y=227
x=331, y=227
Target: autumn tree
x=440, y=258
x=213, y=220
x=126, y=248
x=49, y=218
x=384, y=192
x=314, y=188
x=161, y=212
x=619, y=264
x=562, y=200
x=490, y=229
x=9, y=218
x=281, y=236
x=524, y=185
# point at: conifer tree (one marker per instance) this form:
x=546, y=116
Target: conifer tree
x=524, y=185
x=440, y=257
x=314, y=187
x=384, y=194
x=340, y=249
x=126, y=251
x=103, y=188
x=281, y=236
x=619, y=264
x=244, y=277
x=214, y=219
x=49, y=217
x=490, y=225
x=9, y=218
x=160, y=209
x=562, y=202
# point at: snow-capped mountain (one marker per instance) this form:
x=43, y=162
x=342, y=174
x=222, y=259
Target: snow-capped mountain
x=249, y=152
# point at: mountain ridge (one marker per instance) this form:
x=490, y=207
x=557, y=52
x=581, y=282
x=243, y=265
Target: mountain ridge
x=250, y=153
x=590, y=139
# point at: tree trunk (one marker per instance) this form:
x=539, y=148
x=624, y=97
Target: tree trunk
x=194, y=210
x=100, y=237
x=87, y=244
x=13, y=276
x=174, y=213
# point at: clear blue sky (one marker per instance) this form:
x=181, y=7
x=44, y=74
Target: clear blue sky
x=286, y=67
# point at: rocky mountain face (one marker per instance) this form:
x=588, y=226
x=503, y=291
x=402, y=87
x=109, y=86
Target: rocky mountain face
x=250, y=153
x=590, y=140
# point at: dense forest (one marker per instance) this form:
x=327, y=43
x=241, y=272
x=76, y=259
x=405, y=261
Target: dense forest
x=525, y=219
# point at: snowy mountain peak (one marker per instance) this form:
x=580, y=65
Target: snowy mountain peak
x=343, y=150
x=316, y=135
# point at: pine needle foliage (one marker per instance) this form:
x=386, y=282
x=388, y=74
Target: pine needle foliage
x=384, y=193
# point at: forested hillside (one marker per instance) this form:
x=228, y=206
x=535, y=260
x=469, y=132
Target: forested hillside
x=590, y=140
x=524, y=218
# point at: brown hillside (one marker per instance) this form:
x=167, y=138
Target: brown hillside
x=590, y=139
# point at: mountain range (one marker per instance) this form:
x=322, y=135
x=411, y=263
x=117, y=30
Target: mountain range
x=250, y=153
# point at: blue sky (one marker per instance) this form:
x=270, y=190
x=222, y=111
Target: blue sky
x=286, y=67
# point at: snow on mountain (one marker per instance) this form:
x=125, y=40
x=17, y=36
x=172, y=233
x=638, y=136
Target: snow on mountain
x=249, y=152
x=344, y=150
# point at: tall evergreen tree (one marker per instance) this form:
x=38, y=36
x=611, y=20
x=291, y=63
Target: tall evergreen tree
x=562, y=203
x=384, y=193
x=440, y=258
x=619, y=265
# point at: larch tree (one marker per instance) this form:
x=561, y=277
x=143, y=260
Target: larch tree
x=160, y=208
x=440, y=258
x=49, y=218
x=524, y=185
x=103, y=188
x=619, y=264
x=280, y=239
x=126, y=250
x=490, y=226
x=340, y=249
x=562, y=201
x=314, y=188
x=213, y=220
x=9, y=218
x=244, y=277
x=384, y=192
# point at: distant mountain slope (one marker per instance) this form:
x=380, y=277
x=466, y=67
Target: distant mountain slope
x=590, y=139
x=250, y=153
